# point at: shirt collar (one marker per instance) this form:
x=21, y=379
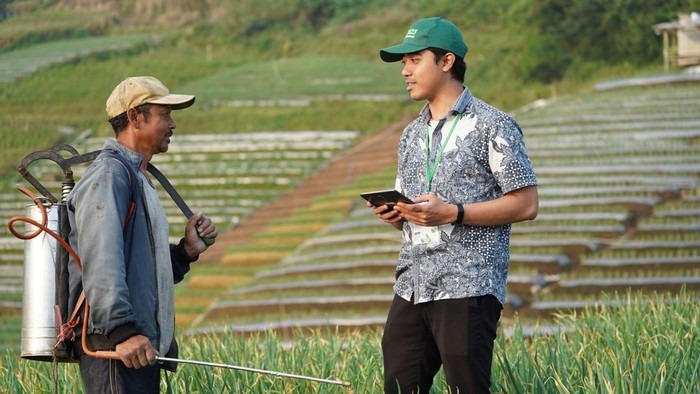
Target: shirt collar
x=134, y=158
x=459, y=107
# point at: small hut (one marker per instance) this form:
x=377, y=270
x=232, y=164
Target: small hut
x=681, y=40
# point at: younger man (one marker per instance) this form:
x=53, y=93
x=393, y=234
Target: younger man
x=465, y=165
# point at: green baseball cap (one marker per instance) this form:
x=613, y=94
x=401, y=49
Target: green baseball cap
x=426, y=33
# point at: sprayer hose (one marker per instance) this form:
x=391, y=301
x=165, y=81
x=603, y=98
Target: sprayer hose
x=41, y=227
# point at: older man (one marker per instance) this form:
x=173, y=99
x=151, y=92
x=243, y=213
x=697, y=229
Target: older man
x=120, y=232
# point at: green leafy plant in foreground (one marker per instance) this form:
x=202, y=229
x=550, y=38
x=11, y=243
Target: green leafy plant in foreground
x=628, y=344
x=632, y=344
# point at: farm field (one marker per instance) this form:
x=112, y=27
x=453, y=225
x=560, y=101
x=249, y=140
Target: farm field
x=618, y=210
x=631, y=343
x=293, y=120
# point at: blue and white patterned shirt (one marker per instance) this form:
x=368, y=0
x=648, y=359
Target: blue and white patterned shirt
x=484, y=158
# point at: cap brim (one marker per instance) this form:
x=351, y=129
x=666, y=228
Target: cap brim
x=175, y=101
x=395, y=53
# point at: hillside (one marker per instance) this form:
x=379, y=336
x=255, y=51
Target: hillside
x=295, y=115
x=618, y=210
x=62, y=63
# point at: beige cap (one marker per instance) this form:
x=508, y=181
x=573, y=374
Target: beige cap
x=135, y=91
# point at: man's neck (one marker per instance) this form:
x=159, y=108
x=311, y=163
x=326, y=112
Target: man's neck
x=443, y=102
x=128, y=141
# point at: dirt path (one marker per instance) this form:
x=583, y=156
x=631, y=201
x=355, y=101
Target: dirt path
x=371, y=155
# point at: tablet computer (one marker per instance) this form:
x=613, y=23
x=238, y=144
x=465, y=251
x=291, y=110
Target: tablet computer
x=385, y=197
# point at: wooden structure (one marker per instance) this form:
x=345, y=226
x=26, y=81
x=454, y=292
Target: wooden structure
x=681, y=40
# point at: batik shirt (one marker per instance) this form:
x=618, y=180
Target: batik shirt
x=483, y=159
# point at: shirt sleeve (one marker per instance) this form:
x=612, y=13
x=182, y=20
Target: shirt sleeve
x=508, y=157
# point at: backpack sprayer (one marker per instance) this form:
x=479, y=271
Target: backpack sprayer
x=45, y=295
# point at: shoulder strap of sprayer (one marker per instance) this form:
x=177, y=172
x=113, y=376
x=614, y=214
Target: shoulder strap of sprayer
x=74, y=319
x=176, y=197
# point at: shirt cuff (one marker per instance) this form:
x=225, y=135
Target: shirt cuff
x=182, y=253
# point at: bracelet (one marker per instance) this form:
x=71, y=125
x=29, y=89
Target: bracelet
x=460, y=215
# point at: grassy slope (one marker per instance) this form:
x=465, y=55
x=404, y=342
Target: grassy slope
x=648, y=347
x=219, y=61
x=206, y=57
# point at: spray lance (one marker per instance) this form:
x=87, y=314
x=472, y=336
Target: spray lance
x=42, y=316
x=112, y=355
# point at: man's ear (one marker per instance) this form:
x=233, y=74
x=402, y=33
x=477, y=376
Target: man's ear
x=448, y=60
x=131, y=115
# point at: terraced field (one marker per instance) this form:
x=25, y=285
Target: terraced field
x=619, y=209
x=29, y=60
x=226, y=176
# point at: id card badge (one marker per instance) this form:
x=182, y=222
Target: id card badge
x=426, y=236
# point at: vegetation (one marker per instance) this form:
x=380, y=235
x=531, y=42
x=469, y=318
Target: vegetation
x=258, y=49
x=299, y=65
x=572, y=36
x=631, y=343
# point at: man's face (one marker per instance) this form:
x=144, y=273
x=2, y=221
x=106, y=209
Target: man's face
x=157, y=128
x=422, y=75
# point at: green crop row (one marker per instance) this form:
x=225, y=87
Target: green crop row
x=631, y=344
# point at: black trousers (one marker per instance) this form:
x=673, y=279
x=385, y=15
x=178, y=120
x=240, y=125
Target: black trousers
x=112, y=377
x=455, y=334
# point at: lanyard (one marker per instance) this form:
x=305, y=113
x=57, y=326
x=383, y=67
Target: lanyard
x=431, y=168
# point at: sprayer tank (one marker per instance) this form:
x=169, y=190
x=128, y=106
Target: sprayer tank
x=39, y=327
